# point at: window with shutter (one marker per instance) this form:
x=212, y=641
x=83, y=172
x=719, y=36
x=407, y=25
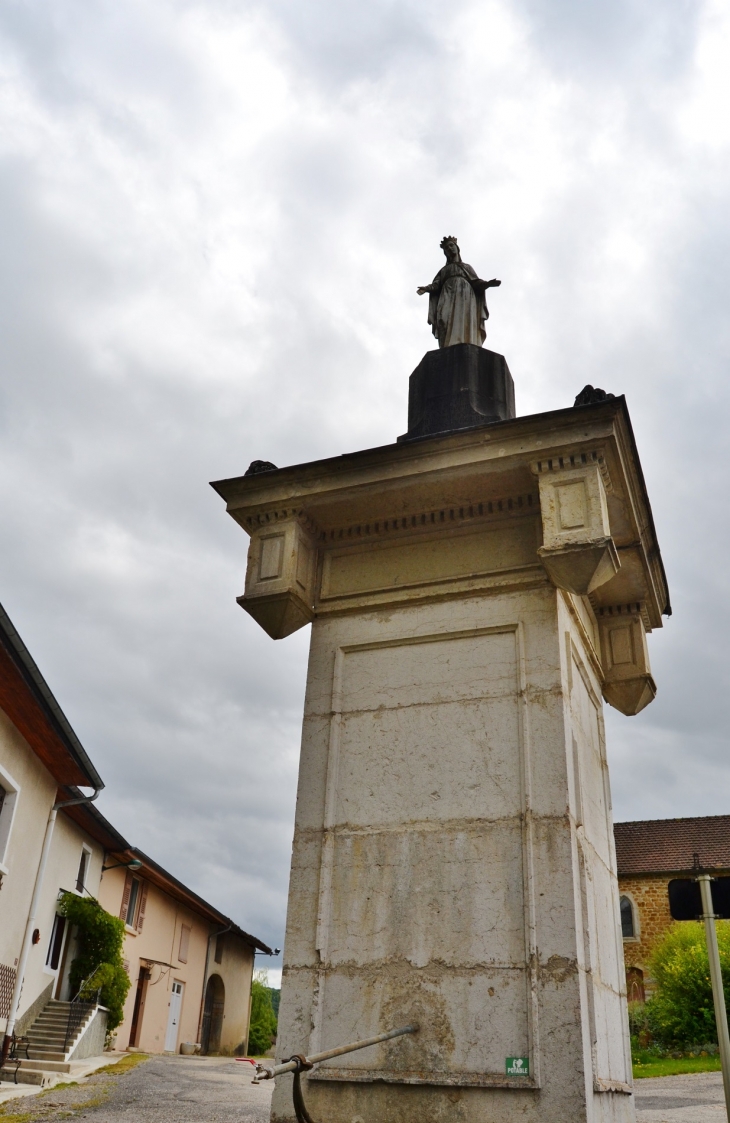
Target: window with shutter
x=184, y=943
x=133, y=905
x=142, y=905
x=81, y=875
x=54, y=948
x=125, y=897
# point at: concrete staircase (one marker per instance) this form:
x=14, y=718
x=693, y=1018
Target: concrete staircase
x=47, y=1038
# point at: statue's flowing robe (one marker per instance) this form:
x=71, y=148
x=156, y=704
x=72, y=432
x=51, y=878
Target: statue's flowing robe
x=455, y=311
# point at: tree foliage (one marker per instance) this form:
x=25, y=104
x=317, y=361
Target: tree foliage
x=681, y=1011
x=262, y=1028
x=98, y=965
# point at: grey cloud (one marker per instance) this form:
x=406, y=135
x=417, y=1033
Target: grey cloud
x=212, y=247
x=610, y=40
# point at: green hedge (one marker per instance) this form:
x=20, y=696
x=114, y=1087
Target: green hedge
x=262, y=1028
x=680, y=1015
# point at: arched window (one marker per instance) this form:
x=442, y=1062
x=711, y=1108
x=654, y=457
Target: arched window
x=628, y=928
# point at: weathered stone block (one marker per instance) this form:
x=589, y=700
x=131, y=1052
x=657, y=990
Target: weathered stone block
x=280, y=577
x=628, y=685
x=578, y=551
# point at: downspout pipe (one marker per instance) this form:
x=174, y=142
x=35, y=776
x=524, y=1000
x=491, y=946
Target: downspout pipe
x=32, y=913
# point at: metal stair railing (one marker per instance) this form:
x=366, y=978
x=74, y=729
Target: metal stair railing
x=79, y=1010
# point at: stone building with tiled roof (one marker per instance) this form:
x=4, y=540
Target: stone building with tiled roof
x=649, y=853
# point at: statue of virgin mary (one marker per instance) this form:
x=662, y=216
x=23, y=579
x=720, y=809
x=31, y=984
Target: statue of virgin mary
x=457, y=308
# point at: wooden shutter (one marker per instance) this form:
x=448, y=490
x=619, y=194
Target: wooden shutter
x=142, y=905
x=125, y=897
x=184, y=943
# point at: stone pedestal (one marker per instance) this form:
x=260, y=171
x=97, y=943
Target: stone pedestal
x=458, y=387
x=473, y=596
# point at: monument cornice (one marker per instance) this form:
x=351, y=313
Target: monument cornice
x=435, y=484
x=523, y=438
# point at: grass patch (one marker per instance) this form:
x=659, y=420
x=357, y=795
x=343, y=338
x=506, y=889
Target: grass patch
x=669, y=1066
x=128, y=1061
x=93, y=1101
x=49, y=1111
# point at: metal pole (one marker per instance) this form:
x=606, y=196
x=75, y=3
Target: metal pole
x=718, y=993
x=267, y=1072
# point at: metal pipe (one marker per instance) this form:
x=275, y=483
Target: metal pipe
x=718, y=993
x=266, y=1072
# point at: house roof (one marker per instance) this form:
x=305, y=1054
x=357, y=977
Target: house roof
x=669, y=845
x=93, y=822
x=27, y=699
x=169, y=884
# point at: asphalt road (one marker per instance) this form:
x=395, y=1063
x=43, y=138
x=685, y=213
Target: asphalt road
x=219, y=1090
x=161, y=1090
x=696, y=1098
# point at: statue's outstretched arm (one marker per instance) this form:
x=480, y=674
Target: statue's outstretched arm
x=481, y=286
x=425, y=288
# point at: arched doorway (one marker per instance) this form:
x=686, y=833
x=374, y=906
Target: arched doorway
x=635, y=985
x=215, y=1000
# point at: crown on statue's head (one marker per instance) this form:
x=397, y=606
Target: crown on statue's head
x=448, y=238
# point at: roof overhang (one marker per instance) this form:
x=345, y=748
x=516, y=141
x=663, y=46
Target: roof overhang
x=28, y=701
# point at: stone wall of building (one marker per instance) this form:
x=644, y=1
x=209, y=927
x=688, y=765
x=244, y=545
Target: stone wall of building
x=650, y=898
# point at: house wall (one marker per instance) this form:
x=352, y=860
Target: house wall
x=158, y=939
x=61, y=873
x=236, y=971
x=20, y=858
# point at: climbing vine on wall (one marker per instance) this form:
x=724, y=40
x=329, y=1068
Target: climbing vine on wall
x=98, y=964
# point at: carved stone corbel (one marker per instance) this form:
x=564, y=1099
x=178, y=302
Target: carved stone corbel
x=280, y=576
x=578, y=551
x=628, y=685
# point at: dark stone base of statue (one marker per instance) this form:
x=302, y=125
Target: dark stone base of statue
x=459, y=387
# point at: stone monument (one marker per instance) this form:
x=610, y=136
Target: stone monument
x=475, y=589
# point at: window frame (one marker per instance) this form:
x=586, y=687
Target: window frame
x=7, y=815
x=636, y=936
x=84, y=859
x=183, y=951
x=133, y=902
x=59, y=921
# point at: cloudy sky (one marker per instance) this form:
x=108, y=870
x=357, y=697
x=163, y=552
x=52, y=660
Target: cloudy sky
x=214, y=218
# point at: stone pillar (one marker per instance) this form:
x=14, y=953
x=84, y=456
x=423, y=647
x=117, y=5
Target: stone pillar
x=474, y=596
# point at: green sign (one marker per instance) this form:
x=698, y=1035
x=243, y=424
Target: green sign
x=517, y=1066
